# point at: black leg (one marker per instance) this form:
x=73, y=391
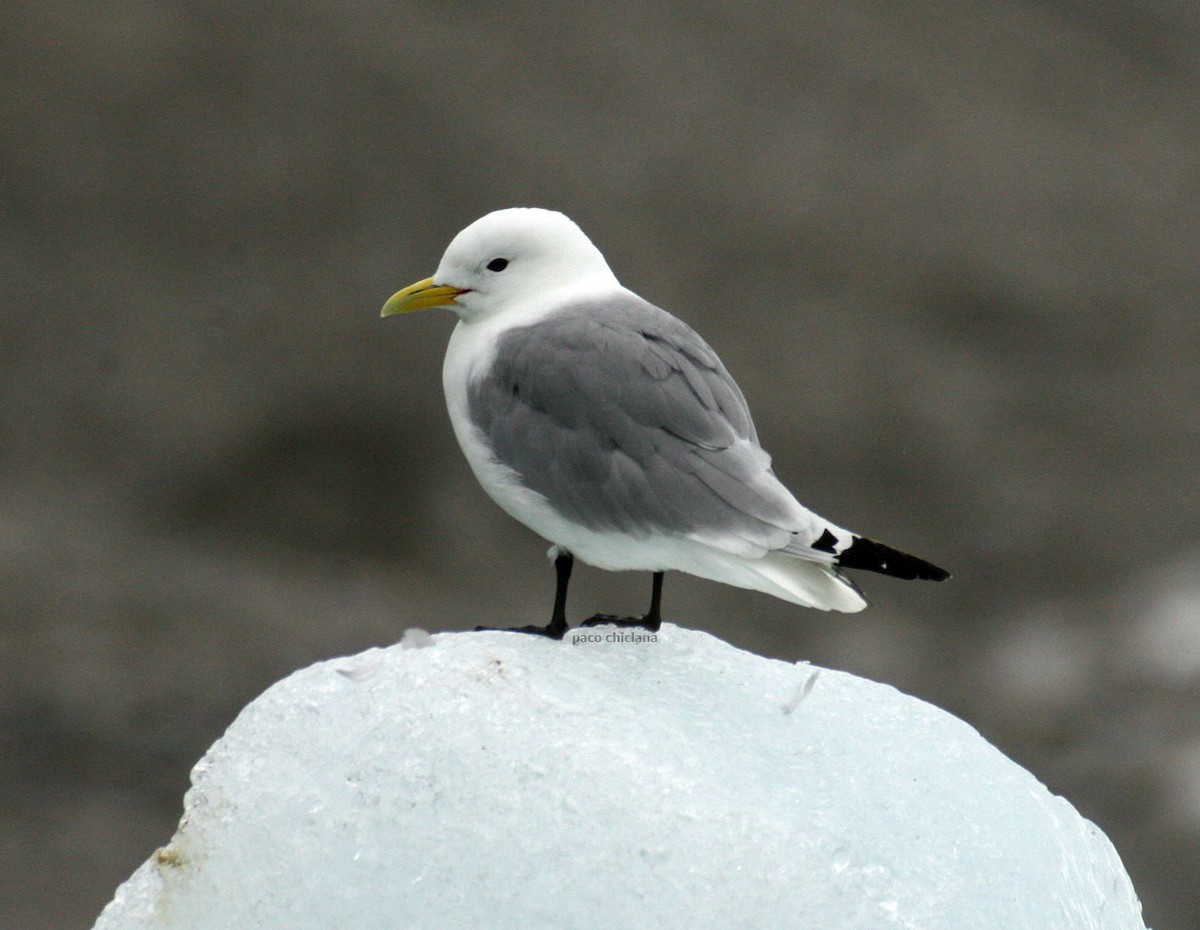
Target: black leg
x=651, y=621
x=557, y=627
x=563, y=563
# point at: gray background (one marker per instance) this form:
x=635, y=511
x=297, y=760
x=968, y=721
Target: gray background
x=949, y=251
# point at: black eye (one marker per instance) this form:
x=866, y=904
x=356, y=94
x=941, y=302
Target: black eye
x=497, y=264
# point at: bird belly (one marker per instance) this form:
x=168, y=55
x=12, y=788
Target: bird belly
x=793, y=579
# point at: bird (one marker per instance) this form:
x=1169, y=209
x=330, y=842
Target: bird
x=611, y=429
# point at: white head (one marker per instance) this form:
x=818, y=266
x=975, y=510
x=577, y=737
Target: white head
x=507, y=259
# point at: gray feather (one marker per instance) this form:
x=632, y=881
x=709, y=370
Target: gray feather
x=624, y=419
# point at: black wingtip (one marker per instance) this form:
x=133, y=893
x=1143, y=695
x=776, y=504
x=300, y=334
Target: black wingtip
x=876, y=557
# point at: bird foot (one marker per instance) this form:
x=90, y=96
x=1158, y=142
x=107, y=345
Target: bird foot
x=550, y=630
x=648, y=623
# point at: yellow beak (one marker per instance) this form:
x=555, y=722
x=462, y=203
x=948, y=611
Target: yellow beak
x=420, y=296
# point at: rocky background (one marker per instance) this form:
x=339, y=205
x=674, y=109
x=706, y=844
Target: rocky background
x=951, y=252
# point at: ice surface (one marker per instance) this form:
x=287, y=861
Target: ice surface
x=494, y=780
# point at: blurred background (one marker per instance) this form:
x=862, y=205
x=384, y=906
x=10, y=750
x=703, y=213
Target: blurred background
x=950, y=251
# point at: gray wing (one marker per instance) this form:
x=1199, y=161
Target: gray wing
x=624, y=419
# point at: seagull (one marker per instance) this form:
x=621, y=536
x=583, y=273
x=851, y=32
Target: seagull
x=611, y=429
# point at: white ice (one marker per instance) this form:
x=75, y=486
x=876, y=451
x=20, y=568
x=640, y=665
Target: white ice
x=494, y=780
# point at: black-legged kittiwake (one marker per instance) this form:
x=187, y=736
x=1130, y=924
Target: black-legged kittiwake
x=611, y=429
